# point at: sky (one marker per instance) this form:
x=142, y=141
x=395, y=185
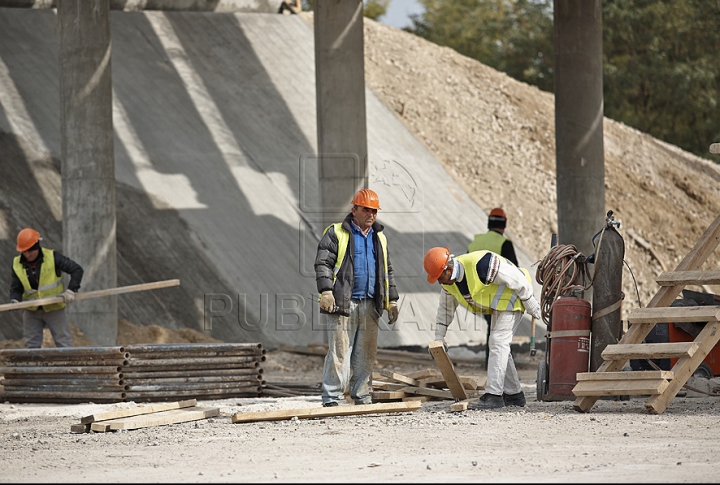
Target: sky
x=399, y=11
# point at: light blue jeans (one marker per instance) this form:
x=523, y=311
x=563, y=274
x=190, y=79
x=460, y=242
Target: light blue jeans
x=502, y=375
x=352, y=348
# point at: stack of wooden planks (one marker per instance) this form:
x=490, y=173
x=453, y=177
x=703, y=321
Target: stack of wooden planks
x=141, y=373
x=424, y=385
x=144, y=417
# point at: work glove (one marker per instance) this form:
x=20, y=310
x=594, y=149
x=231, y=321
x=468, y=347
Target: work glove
x=69, y=296
x=532, y=307
x=327, y=301
x=393, y=312
x=14, y=301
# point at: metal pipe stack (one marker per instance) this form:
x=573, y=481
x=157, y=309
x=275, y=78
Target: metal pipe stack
x=63, y=375
x=141, y=373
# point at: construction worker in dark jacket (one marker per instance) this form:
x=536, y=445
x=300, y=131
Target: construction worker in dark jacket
x=494, y=240
x=37, y=274
x=356, y=282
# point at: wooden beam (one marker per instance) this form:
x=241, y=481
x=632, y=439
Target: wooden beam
x=684, y=278
x=161, y=418
x=427, y=391
x=624, y=375
x=620, y=388
x=387, y=395
x=447, y=370
x=703, y=313
x=422, y=374
x=321, y=412
x=398, y=377
x=684, y=368
x=669, y=350
x=91, y=294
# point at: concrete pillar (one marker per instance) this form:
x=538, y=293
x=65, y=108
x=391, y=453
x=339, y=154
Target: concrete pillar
x=88, y=166
x=340, y=93
x=579, y=122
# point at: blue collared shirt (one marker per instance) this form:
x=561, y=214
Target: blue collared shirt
x=365, y=264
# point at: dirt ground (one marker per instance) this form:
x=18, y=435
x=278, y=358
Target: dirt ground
x=617, y=441
x=489, y=131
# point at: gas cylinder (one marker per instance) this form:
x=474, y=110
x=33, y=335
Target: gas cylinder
x=569, y=345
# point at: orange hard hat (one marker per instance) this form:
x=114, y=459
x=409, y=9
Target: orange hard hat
x=27, y=238
x=497, y=218
x=366, y=198
x=435, y=262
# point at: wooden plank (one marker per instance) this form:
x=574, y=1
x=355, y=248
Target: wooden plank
x=419, y=398
x=387, y=386
x=706, y=313
x=79, y=428
x=387, y=395
x=447, y=370
x=423, y=374
x=469, y=383
x=321, y=412
x=91, y=294
x=172, y=416
x=624, y=375
x=684, y=278
x=398, y=377
x=670, y=350
x=684, y=368
x=620, y=388
x=427, y=391
x=125, y=413
x=459, y=406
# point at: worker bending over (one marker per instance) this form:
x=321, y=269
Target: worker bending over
x=484, y=282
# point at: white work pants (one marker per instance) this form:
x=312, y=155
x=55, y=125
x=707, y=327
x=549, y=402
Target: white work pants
x=502, y=375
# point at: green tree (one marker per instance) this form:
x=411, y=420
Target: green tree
x=661, y=73
x=374, y=9
x=513, y=36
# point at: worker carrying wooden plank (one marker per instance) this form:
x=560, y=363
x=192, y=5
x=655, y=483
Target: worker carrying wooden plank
x=37, y=273
x=485, y=282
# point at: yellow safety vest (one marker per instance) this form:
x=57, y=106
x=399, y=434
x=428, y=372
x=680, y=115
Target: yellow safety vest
x=343, y=238
x=49, y=284
x=485, y=297
x=491, y=240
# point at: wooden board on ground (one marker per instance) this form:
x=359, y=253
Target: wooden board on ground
x=321, y=412
x=399, y=377
x=469, y=383
x=125, y=413
x=161, y=418
x=447, y=369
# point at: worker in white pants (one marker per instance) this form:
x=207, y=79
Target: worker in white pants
x=485, y=282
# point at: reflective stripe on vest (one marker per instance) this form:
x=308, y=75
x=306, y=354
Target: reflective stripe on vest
x=343, y=238
x=485, y=297
x=491, y=241
x=49, y=284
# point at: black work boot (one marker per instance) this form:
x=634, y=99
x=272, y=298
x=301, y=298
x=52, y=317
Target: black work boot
x=488, y=401
x=514, y=399
x=329, y=404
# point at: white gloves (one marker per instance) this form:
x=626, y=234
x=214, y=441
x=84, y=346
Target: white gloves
x=393, y=312
x=69, y=296
x=533, y=307
x=14, y=301
x=327, y=301
x=440, y=331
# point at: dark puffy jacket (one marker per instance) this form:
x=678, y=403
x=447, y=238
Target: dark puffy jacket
x=342, y=289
